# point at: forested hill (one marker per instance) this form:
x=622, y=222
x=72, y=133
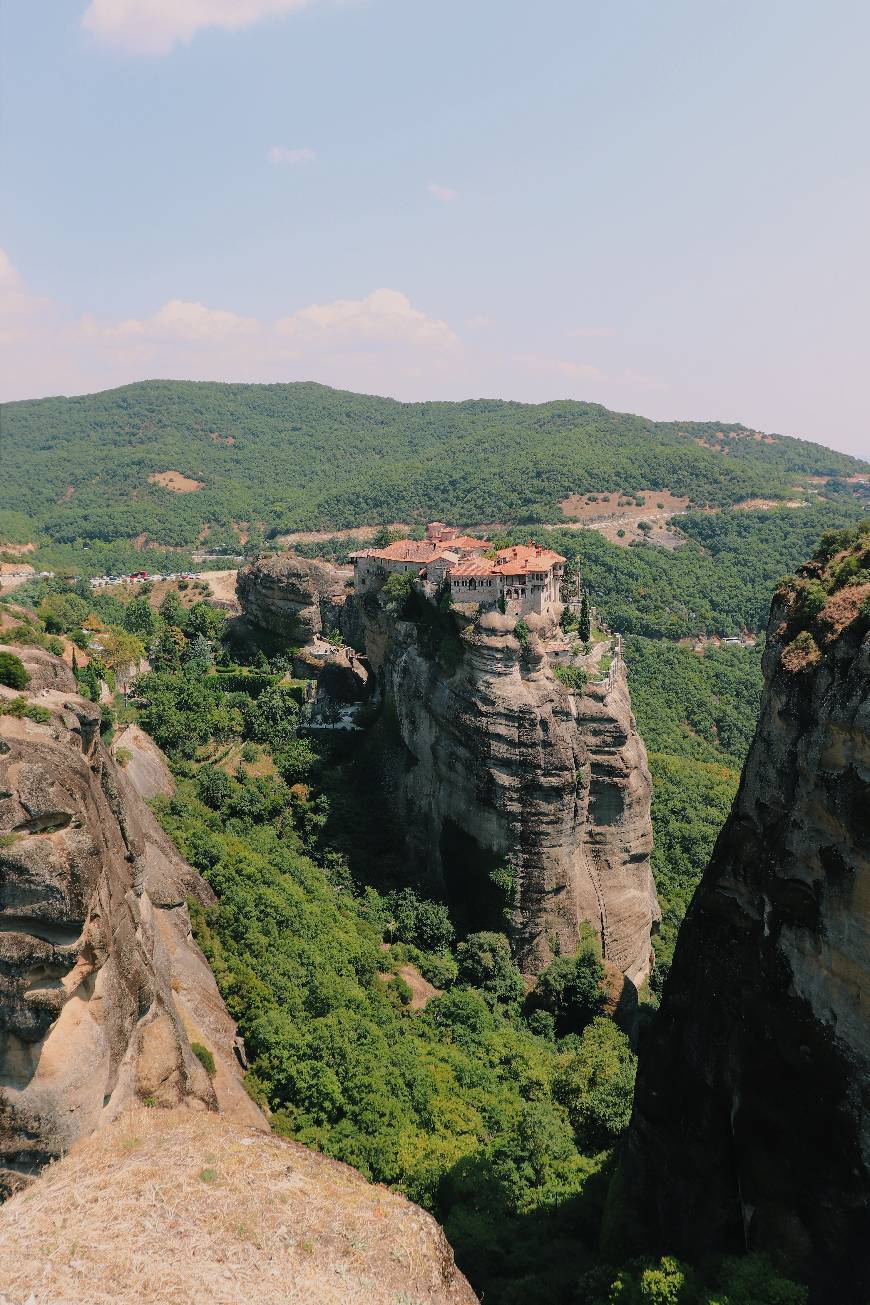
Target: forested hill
x=304, y=456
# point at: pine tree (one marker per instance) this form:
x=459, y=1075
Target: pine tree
x=585, y=627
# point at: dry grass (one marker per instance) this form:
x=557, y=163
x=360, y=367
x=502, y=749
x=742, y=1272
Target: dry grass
x=173, y=1207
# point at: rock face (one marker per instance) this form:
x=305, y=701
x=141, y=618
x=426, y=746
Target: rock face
x=165, y=1207
x=505, y=769
x=102, y=988
x=498, y=772
x=752, y=1114
x=295, y=598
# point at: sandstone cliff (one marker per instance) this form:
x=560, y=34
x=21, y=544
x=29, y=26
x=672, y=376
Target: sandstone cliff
x=102, y=988
x=499, y=772
x=752, y=1115
x=169, y=1207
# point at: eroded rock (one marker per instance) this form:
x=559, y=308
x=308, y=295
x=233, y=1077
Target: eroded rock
x=100, y=980
x=752, y=1116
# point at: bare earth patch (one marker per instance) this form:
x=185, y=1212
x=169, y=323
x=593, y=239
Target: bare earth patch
x=176, y=482
x=172, y=1207
x=765, y=504
x=18, y=549
x=317, y=536
x=576, y=506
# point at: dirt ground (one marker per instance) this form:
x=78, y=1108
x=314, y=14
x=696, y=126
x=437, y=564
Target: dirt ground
x=577, y=507
x=176, y=482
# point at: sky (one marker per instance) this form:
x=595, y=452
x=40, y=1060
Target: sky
x=659, y=206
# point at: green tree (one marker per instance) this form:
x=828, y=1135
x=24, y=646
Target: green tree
x=584, y=625
x=173, y=611
x=485, y=961
x=141, y=619
x=570, y=989
x=13, y=672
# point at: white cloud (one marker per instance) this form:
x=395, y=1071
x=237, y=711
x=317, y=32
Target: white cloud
x=445, y=193
x=281, y=154
x=155, y=26
x=179, y=320
x=381, y=343
x=384, y=317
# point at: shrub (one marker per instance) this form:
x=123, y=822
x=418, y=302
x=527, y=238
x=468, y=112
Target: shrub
x=570, y=989
x=573, y=677
x=801, y=654
x=205, y=1058
x=13, y=672
x=810, y=598
x=23, y=710
x=123, y=756
x=396, y=592
x=521, y=631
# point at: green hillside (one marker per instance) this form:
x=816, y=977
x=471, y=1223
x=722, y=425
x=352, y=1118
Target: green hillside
x=76, y=471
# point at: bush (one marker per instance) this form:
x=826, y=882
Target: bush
x=23, y=710
x=485, y=961
x=13, y=672
x=573, y=677
x=205, y=1058
x=570, y=989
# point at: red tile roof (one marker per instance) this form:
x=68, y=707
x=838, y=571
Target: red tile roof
x=406, y=550
x=526, y=557
x=473, y=566
x=468, y=544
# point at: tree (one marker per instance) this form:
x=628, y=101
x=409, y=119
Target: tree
x=397, y=592
x=63, y=612
x=13, y=672
x=485, y=961
x=141, y=619
x=119, y=650
x=420, y=921
x=173, y=611
x=570, y=988
x=584, y=628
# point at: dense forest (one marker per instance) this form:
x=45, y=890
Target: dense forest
x=79, y=472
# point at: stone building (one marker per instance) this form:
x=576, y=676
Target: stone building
x=524, y=579
x=428, y=559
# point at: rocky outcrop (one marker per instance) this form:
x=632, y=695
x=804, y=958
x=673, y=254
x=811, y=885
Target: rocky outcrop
x=143, y=763
x=102, y=988
x=507, y=773
x=168, y=1206
x=751, y=1125
x=296, y=598
x=513, y=792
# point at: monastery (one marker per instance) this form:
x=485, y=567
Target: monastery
x=522, y=579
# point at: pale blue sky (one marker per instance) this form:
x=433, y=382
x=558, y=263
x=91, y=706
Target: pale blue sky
x=661, y=206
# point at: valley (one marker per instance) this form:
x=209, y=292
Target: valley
x=444, y=933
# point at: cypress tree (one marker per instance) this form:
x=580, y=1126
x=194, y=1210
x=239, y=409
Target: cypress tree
x=585, y=627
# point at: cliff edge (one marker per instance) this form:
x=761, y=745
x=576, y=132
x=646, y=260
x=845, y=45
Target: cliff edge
x=102, y=988
x=751, y=1126
x=168, y=1207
